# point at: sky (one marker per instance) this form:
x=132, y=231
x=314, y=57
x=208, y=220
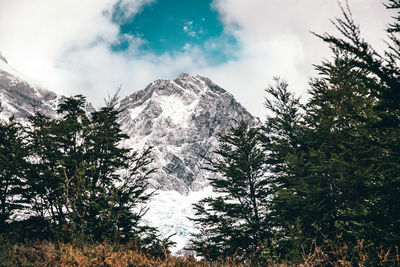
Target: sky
x=92, y=47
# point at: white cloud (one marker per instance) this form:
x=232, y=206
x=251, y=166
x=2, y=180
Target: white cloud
x=64, y=45
x=36, y=36
x=276, y=40
x=131, y=8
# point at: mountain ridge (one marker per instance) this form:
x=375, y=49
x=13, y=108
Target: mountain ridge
x=180, y=119
x=20, y=96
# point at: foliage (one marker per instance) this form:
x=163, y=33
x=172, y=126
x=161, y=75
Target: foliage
x=77, y=180
x=236, y=221
x=106, y=254
x=380, y=128
x=332, y=164
x=12, y=168
x=281, y=133
x=337, y=173
x=98, y=254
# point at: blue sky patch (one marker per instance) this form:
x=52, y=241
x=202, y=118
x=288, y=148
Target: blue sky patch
x=171, y=26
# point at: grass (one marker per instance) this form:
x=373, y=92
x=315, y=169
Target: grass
x=47, y=253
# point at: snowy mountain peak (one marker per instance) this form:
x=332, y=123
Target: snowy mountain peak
x=184, y=75
x=181, y=119
x=2, y=58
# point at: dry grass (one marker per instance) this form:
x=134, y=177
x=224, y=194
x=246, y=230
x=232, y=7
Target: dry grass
x=50, y=254
x=104, y=254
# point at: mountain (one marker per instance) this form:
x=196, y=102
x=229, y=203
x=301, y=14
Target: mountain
x=180, y=119
x=19, y=96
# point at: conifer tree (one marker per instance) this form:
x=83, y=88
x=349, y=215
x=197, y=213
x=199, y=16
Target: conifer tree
x=337, y=178
x=236, y=221
x=44, y=186
x=84, y=181
x=12, y=168
x=338, y=156
x=281, y=139
x=384, y=125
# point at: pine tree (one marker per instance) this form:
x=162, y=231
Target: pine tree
x=55, y=177
x=44, y=186
x=323, y=160
x=384, y=125
x=281, y=139
x=12, y=169
x=236, y=221
x=339, y=157
x=337, y=177
x=84, y=181
x=118, y=180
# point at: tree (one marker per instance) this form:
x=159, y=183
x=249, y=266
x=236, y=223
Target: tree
x=236, y=221
x=12, y=168
x=281, y=139
x=56, y=147
x=336, y=173
x=117, y=175
x=322, y=160
x=338, y=155
x=84, y=181
x=383, y=72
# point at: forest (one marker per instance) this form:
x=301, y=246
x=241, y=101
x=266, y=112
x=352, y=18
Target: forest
x=318, y=183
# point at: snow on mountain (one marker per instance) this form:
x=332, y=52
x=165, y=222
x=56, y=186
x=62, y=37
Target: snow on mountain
x=170, y=211
x=180, y=119
x=19, y=96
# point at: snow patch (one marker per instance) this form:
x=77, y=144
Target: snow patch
x=170, y=211
x=174, y=108
x=136, y=111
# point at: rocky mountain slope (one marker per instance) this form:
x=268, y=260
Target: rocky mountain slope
x=19, y=96
x=180, y=119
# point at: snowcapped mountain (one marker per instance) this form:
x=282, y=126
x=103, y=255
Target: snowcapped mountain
x=19, y=96
x=180, y=119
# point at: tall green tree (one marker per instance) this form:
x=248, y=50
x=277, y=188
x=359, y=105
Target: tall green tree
x=83, y=181
x=337, y=177
x=281, y=140
x=44, y=185
x=384, y=125
x=12, y=168
x=57, y=147
x=338, y=155
x=323, y=159
x=235, y=222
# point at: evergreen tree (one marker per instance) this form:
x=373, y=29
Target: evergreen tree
x=337, y=176
x=12, y=169
x=44, y=186
x=281, y=140
x=56, y=174
x=383, y=72
x=116, y=175
x=84, y=181
x=338, y=156
x=236, y=221
x=323, y=161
